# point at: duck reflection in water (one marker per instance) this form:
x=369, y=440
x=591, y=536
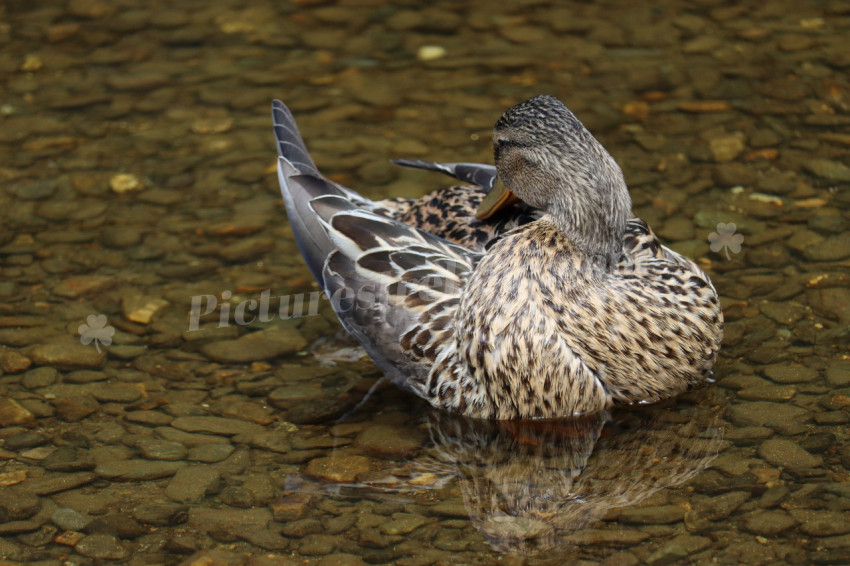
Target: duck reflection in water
x=529, y=485
x=532, y=486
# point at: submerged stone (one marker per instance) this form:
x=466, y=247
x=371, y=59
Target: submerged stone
x=787, y=453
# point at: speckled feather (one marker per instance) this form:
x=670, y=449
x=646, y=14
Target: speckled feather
x=450, y=214
x=563, y=313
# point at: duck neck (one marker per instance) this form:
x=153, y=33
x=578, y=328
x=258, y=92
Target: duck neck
x=595, y=226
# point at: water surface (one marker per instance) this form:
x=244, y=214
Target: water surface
x=137, y=170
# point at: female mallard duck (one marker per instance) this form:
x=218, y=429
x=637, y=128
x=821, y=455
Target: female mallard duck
x=570, y=313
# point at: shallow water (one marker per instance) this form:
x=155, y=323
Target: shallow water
x=138, y=173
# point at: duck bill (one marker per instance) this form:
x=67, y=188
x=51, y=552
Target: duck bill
x=499, y=198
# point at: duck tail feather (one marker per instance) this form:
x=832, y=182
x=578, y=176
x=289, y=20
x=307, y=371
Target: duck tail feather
x=475, y=173
x=290, y=144
x=310, y=235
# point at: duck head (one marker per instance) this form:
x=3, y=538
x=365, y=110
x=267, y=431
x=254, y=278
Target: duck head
x=548, y=159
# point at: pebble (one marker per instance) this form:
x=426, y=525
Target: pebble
x=678, y=549
x=787, y=373
x=302, y=527
x=69, y=519
x=833, y=248
x=831, y=303
x=13, y=414
x=787, y=453
x=290, y=507
x=339, y=559
x=26, y=440
x=388, y=441
x=39, y=377
x=192, y=483
x=117, y=524
x=606, y=537
x=161, y=514
x=188, y=439
x=767, y=392
x=659, y=515
x=677, y=229
x=75, y=408
x=295, y=394
x=67, y=354
x=120, y=237
x=821, y=523
x=430, y=52
x=317, y=545
x=786, y=313
x=838, y=373
x=256, y=346
x=125, y=183
x=101, y=547
x=137, y=470
x=211, y=519
x=449, y=509
x=116, y=393
x=828, y=169
x=154, y=449
x=516, y=528
x=13, y=362
x=18, y=504
x=720, y=506
x=402, y=524
x=237, y=496
x=728, y=147
x=339, y=467
x=340, y=524
x=768, y=523
x=142, y=309
x=246, y=250
x=84, y=376
x=765, y=413
x=154, y=418
x=79, y=285
x=91, y=9
x=216, y=425
x=210, y=453
x=12, y=478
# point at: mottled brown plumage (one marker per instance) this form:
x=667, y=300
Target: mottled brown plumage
x=574, y=308
x=450, y=214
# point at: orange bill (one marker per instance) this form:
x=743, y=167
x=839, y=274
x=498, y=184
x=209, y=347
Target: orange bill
x=499, y=198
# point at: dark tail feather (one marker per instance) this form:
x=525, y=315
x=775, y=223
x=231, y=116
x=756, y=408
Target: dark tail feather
x=290, y=145
x=475, y=173
x=310, y=235
x=301, y=182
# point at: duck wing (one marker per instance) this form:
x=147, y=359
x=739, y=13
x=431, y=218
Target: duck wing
x=300, y=183
x=394, y=287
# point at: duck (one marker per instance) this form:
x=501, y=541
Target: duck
x=564, y=305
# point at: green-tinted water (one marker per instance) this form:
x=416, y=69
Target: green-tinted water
x=138, y=172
